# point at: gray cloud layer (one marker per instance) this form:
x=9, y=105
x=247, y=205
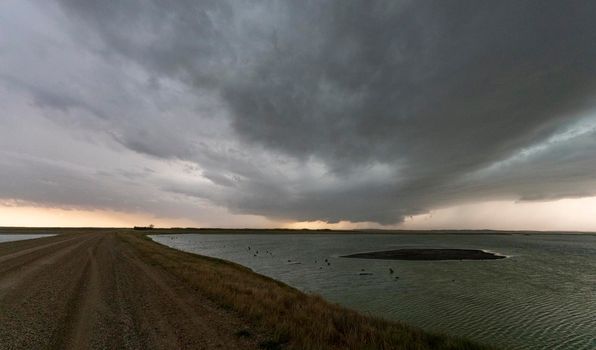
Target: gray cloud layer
x=360, y=111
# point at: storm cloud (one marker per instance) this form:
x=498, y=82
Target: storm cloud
x=299, y=110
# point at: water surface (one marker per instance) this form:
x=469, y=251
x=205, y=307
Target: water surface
x=541, y=297
x=20, y=237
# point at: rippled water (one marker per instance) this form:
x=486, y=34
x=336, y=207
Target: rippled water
x=19, y=237
x=541, y=297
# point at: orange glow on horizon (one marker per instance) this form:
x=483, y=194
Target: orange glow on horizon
x=342, y=225
x=576, y=214
x=29, y=216
x=572, y=214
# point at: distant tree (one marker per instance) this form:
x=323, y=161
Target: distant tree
x=150, y=227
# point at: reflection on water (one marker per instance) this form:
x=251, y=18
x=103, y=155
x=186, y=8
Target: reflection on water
x=19, y=237
x=542, y=296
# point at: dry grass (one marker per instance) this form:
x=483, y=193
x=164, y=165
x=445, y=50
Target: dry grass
x=294, y=320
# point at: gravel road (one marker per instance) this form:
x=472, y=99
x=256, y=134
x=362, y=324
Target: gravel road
x=93, y=291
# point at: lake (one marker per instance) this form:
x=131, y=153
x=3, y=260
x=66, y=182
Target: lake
x=20, y=237
x=543, y=296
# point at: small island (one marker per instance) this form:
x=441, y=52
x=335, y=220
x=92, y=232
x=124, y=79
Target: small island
x=427, y=254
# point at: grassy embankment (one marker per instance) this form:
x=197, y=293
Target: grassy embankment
x=293, y=319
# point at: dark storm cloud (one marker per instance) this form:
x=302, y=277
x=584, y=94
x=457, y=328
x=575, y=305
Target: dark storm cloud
x=359, y=110
x=47, y=98
x=419, y=83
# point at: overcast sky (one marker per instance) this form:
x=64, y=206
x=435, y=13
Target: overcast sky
x=263, y=113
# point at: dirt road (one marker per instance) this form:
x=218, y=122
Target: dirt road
x=93, y=291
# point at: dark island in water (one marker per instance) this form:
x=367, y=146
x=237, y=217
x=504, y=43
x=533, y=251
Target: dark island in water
x=427, y=254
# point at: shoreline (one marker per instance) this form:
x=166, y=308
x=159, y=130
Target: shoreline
x=162, y=289
x=384, y=333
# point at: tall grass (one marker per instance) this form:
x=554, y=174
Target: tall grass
x=293, y=319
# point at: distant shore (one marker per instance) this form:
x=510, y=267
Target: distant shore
x=214, y=230
x=210, y=230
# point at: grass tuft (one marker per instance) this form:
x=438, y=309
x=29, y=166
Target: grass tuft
x=243, y=333
x=271, y=345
